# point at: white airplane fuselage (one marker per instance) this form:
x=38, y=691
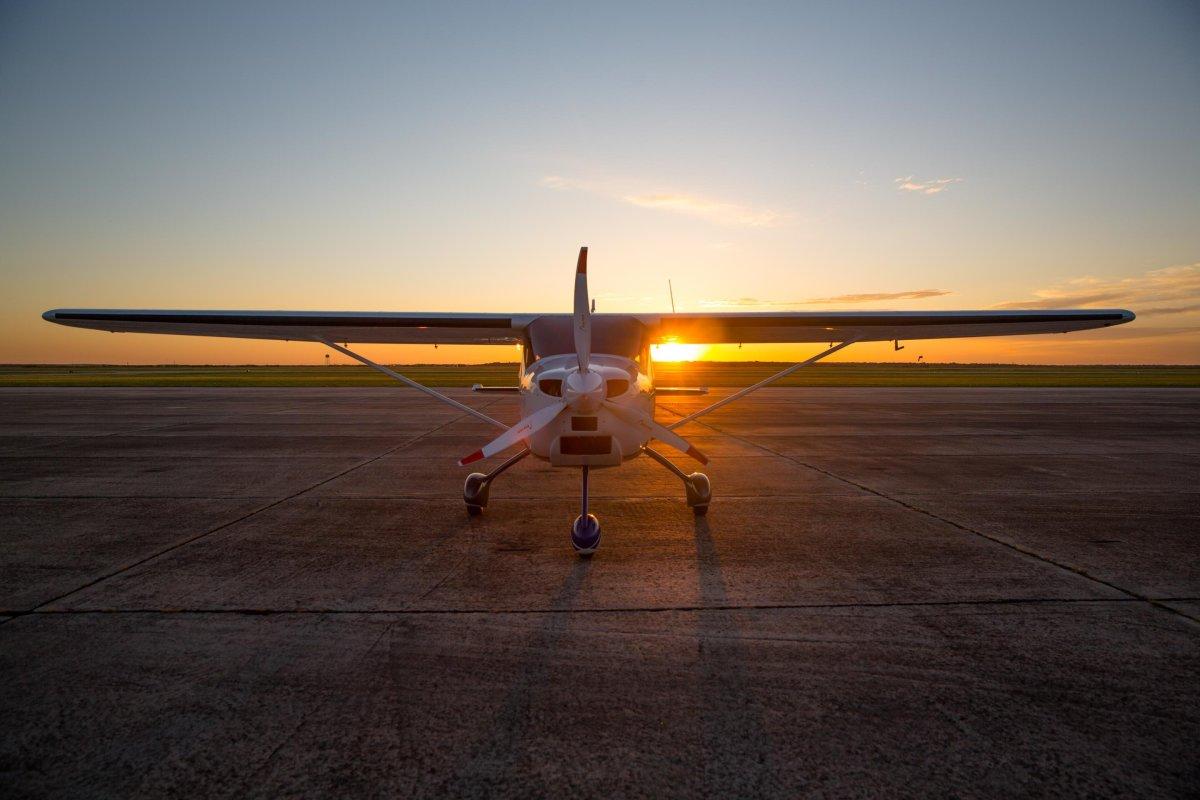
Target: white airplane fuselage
x=587, y=434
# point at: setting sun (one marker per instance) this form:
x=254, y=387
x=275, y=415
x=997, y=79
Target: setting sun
x=675, y=351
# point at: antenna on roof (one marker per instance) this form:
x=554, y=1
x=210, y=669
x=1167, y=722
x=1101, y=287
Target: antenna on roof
x=672, y=291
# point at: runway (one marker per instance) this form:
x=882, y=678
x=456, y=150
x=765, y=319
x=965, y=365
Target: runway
x=897, y=592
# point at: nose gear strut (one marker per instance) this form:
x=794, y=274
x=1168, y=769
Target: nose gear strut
x=585, y=530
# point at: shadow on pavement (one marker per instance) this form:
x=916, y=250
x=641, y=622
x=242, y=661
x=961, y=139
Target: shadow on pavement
x=495, y=763
x=733, y=737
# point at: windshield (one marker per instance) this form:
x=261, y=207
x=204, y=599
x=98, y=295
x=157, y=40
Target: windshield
x=615, y=335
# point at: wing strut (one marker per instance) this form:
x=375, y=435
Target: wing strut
x=739, y=395
x=410, y=382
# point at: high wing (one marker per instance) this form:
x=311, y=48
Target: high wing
x=386, y=327
x=335, y=326
x=869, y=326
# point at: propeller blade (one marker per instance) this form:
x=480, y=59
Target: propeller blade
x=646, y=423
x=522, y=430
x=583, y=315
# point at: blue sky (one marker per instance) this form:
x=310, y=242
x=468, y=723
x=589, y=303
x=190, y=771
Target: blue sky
x=422, y=157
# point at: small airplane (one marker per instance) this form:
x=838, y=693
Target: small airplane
x=586, y=380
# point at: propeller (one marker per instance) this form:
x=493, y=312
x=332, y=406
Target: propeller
x=544, y=416
x=522, y=430
x=583, y=392
x=631, y=416
x=583, y=316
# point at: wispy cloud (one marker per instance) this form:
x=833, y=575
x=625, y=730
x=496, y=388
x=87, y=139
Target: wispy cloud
x=871, y=297
x=877, y=297
x=1171, y=310
x=740, y=302
x=1049, y=298
x=1127, y=332
x=718, y=211
x=1177, y=287
x=935, y=186
x=559, y=182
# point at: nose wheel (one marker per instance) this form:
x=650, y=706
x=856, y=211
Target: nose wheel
x=585, y=530
x=585, y=534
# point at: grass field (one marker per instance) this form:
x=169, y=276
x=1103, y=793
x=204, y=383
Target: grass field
x=701, y=373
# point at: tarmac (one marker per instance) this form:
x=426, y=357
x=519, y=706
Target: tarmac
x=896, y=592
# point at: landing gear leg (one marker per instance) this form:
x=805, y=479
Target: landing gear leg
x=475, y=490
x=585, y=531
x=696, y=485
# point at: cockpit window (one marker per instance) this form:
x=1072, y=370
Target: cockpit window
x=616, y=335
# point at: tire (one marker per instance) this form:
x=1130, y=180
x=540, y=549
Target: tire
x=699, y=491
x=585, y=535
x=475, y=493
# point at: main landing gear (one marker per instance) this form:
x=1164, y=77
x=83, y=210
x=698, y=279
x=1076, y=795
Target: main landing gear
x=475, y=490
x=585, y=530
x=695, y=485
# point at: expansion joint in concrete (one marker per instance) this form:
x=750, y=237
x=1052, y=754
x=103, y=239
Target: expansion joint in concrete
x=223, y=526
x=1025, y=551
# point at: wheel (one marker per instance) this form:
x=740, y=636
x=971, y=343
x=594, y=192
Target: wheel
x=475, y=493
x=699, y=492
x=585, y=534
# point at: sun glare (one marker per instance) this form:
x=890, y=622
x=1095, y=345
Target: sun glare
x=675, y=351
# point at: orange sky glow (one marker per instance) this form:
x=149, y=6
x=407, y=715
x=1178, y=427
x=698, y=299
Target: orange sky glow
x=423, y=158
